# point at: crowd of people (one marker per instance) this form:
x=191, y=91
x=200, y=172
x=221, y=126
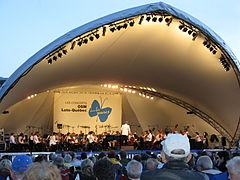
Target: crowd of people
x=175, y=162
x=150, y=140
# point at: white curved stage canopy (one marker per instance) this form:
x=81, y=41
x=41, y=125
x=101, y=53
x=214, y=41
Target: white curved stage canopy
x=152, y=65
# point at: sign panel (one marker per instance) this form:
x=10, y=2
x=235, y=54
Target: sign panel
x=87, y=111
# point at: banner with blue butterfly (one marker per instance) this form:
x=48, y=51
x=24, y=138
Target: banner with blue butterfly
x=77, y=111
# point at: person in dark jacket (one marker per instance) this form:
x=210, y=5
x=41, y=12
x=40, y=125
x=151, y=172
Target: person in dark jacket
x=175, y=155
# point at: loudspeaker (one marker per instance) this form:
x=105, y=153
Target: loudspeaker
x=59, y=126
x=125, y=148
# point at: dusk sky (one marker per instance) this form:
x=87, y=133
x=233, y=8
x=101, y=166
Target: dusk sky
x=29, y=25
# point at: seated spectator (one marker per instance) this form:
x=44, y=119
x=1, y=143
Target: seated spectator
x=205, y=165
x=124, y=161
x=233, y=167
x=223, y=157
x=137, y=157
x=64, y=171
x=151, y=164
x=175, y=155
x=19, y=166
x=5, y=168
x=134, y=170
x=42, y=171
x=87, y=170
x=75, y=162
x=67, y=160
x=104, y=170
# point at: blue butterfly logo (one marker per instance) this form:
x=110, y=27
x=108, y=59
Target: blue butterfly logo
x=97, y=110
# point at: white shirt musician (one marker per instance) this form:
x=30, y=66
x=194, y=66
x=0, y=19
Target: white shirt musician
x=53, y=140
x=125, y=129
x=12, y=139
x=36, y=139
x=90, y=137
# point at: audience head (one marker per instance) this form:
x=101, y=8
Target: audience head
x=151, y=164
x=42, y=171
x=134, y=169
x=233, y=167
x=101, y=155
x=176, y=147
x=104, y=170
x=21, y=163
x=137, y=157
x=84, y=156
x=87, y=167
x=59, y=161
x=123, y=154
x=204, y=163
x=67, y=158
x=19, y=166
x=111, y=154
x=5, y=167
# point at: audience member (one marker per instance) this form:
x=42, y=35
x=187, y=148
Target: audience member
x=233, y=167
x=64, y=171
x=42, y=171
x=5, y=168
x=19, y=166
x=205, y=165
x=222, y=160
x=104, y=170
x=175, y=155
x=87, y=170
x=134, y=170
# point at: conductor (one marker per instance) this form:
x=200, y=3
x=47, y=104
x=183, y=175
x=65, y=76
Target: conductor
x=125, y=132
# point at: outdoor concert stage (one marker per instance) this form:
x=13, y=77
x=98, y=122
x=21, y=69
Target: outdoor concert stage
x=153, y=65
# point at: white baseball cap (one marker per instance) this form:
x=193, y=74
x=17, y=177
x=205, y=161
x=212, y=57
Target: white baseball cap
x=174, y=142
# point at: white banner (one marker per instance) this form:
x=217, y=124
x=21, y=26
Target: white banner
x=87, y=111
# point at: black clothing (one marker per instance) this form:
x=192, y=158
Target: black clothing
x=174, y=170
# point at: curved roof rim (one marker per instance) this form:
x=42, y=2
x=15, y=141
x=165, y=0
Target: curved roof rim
x=160, y=6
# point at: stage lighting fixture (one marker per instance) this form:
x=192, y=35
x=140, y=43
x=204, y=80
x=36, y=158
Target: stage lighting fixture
x=125, y=26
x=85, y=41
x=5, y=112
x=141, y=20
x=97, y=36
x=104, y=31
x=73, y=45
x=79, y=43
x=189, y=31
x=112, y=29
x=208, y=46
x=131, y=23
x=194, y=34
x=211, y=49
x=60, y=55
x=181, y=26
x=160, y=19
x=50, y=61
x=54, y=58
x=148, y=18
x=64, y=51
x=119, y=27
x=185, y=29
x=167, y=20
x=91, y=38
x=205, y=43
x=154, y=19
x=214, y=51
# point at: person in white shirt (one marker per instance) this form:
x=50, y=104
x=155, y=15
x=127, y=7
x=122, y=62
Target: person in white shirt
x=125, y=129
x=125, y=132
x=12, y=142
